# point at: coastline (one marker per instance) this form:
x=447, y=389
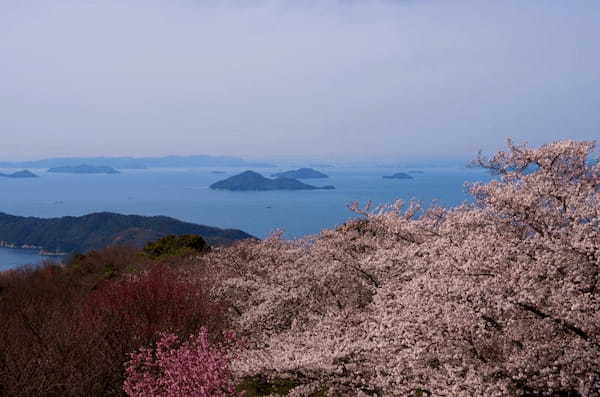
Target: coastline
x=41, y=250
x=50, y=253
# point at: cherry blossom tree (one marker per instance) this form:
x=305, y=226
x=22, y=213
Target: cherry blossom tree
x=499, y=297
x=175, y=368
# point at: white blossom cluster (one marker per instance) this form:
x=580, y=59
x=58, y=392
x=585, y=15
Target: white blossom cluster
x=496, y=298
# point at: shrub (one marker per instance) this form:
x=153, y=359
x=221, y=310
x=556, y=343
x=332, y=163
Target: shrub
x=176, y=246
x=70, y=338
x=42, y=351
x=125, y=314
x=108, y=263
x=153, y=301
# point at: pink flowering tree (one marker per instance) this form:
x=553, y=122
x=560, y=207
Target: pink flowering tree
x=500, y=297
x=176, y=368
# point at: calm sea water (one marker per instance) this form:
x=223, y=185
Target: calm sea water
x=10, y=257
x=184, y=194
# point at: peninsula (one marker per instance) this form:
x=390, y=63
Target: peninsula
x=253, y=181
x=398, y=175
x=20, y=174
x=84, y=169
x=99, y=230
x=301, y=173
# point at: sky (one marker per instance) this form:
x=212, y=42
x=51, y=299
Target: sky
x=328, y=79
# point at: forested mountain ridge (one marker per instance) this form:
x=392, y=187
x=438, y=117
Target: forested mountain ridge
x=99, y=230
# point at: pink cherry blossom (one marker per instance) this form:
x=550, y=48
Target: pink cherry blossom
x=175, y=368
x=500, y=297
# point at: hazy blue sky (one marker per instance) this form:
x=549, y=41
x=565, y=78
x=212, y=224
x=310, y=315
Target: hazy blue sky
x=331, y=79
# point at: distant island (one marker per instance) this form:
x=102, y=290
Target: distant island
x=95, y=231
x=301, y=173
x=85, y=169
x=20, y=174
x=253, y=181
x=398, y=175
x=139, y=162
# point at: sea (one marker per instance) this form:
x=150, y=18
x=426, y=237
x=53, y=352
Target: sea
x=184, y=194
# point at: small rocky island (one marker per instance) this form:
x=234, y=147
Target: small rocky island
x=84, y=169
x=20, y=174
x=253, y=181
x=398, y=175
x=302, y=173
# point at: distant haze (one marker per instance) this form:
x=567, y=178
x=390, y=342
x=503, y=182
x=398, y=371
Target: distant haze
x=323, y=79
